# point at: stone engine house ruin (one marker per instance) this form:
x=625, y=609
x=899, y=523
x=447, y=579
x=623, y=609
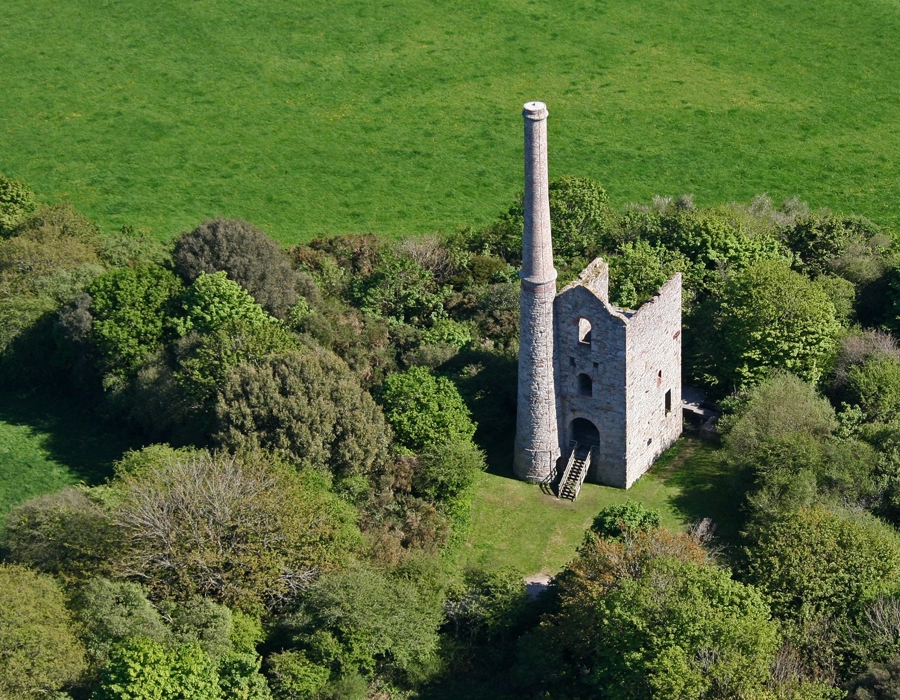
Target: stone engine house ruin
x=599, y=395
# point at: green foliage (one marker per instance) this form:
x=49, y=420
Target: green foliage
x=295, y=677
x=879, y=682
x=205, y=360
x=639, y=270
x=247, y=255
x=129, y=308
x=614, y=521
x=772, y=317
x=579, y=209
x=306, y=406
x=448, y=470
x=251, y=530
x=401, y=291
x=821, y=562
x=212, y=301
x=875, y=387
x=425, y=410
x=114, y=611
x=200, y=621
x=141, y=669
x=16, y=202
x=67, y=534
x=682, y=631
x=357, y=620
x=819, y=241
x=38, y=647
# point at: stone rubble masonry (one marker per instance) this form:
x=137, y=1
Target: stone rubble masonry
x=537, y=442
x=632, y=358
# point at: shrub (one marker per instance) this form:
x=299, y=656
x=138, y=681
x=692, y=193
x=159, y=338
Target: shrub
x=448, y=470
x=425, y=410
x=295, y=677
x=820, y=563
x=68, y=534
x=113, y=611
x=401, y=291
x=214, y=300
x=247, y=255
x=306, y=406
x=875, y=387
x=57, y=222
x=243, y=530
x=141, y=669
x=614, y=521
x=130, y=306
x=772, y=317
x=639, y=270
x=39, y=650
x=16, y=202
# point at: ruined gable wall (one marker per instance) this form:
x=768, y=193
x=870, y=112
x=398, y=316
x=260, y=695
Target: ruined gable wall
x=653, y=351
x=604, y=361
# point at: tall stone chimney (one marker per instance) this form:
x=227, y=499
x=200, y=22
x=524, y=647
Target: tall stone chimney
x=537, y=441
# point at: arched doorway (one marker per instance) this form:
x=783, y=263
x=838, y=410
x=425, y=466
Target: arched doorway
x=584, y=432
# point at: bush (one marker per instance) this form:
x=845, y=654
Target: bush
x=141, y=669
x=68, y=534
x=247, y=255
x=113, y=611
x=614, y=521
x=295, y=677
x=425, y=410
x=16, y=202
x=38, y=647
x=772, y=317
x=214, y=300
x=448, y=470
x=823, y=563
x=306, y=406
x=130, y=308
x=244, y=530
x=401, y=291
x=875, y=387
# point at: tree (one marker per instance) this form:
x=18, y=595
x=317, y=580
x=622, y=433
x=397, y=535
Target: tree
x=244, y=531
x=821, y=562
x=425, y=410
x=772, y=317
x=141, y=669
x=682, y=631
x=214, y=300
x=245, y=254
x=307, y=406
x=360, y=619
x=639, y=270
x=16, y=202
x=114, y=611
x=448, y=470
x=617, y=521
x=39, y=652
x=67, y=534
x=295, y=677
x=402, y=291
x=130, y=307
x=875, y=387
x=579, y=209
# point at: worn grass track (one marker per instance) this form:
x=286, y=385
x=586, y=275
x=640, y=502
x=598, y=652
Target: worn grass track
x=400, y=117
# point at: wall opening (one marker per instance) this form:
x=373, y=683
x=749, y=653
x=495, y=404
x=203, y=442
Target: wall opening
x=583, y=431
x=585, y=385
x=584, y=331
x=668, y=402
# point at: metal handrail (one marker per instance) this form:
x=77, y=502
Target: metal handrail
x=581, y=477
x=569, y=465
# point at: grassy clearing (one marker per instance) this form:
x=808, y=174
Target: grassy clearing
x=522, y=526
x=403, y=116
x=47, y=443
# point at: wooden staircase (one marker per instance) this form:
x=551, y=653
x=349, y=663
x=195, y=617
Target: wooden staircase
x=576, y=470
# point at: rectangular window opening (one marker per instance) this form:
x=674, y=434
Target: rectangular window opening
x=668, y=402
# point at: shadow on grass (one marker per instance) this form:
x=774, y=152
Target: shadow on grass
x=705, y=487
x=68, y=432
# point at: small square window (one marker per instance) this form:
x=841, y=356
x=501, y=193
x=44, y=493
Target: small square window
x=572, y=361
x=596, y=365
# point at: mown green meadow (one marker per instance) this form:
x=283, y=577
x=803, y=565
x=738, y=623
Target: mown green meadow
x=49, y=442
x=525, y=527
x=402, y=117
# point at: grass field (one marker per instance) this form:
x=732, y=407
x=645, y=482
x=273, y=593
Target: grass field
x=402, y=116
x=522, y=526
x=47, y=443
